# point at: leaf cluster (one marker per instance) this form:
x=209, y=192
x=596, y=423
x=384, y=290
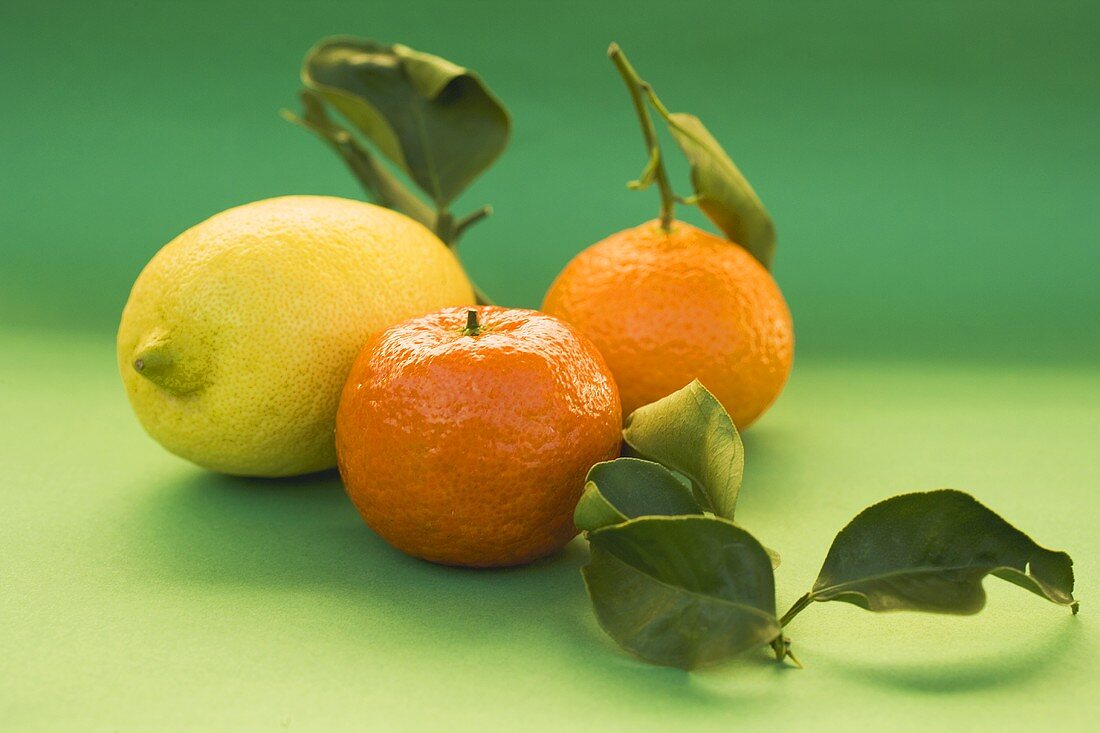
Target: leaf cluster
x=434, y=121
x=674, y=580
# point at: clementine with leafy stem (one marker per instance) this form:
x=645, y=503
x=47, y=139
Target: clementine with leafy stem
x=666, y=302
x=463, y=437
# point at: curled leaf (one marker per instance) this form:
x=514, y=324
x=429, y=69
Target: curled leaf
x=625, y=488
x=683, y=591
x=721, y=191
x=930, y=552
x=690, y=432
x=435, y=120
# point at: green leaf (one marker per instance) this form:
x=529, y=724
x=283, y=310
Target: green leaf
x=436, y=121
x=930, y=552
x=626, y=488
x=689, y=431
x=376, y=179
x=721, y=191
x=682, y=591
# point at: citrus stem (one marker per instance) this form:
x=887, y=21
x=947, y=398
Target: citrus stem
x=465, y=222
x=448, y=229
x=444, y=226
x=473, y=328
x=800, y=605
x=781, y=645
x=655, y=169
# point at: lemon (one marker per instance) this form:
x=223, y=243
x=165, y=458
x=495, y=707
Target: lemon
x=239, y=334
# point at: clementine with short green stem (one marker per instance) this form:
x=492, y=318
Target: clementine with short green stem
x=464, y=436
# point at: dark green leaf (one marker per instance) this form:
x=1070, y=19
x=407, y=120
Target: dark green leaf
x=689, y=431
x=721, y=191
x=682, y=591
x=376, y=179
x=627, y=488
x=930, y=551
x=435, y=120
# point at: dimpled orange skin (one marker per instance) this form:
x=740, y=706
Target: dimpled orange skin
x=665, y=308
x=473, y=449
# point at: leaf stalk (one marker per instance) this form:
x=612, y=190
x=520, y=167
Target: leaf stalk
x=655, y=167
x=799, y=606
x=469, y=220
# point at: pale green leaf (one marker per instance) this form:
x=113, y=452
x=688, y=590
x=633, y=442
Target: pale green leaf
x=721, y=191
x=690, y=432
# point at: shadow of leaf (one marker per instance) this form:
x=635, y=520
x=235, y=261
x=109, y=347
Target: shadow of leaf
x=1010, y=667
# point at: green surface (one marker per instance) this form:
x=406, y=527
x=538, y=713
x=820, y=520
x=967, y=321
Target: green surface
x=140, y=593
x=932, y=169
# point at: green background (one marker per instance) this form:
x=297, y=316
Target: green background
x=933, y=171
